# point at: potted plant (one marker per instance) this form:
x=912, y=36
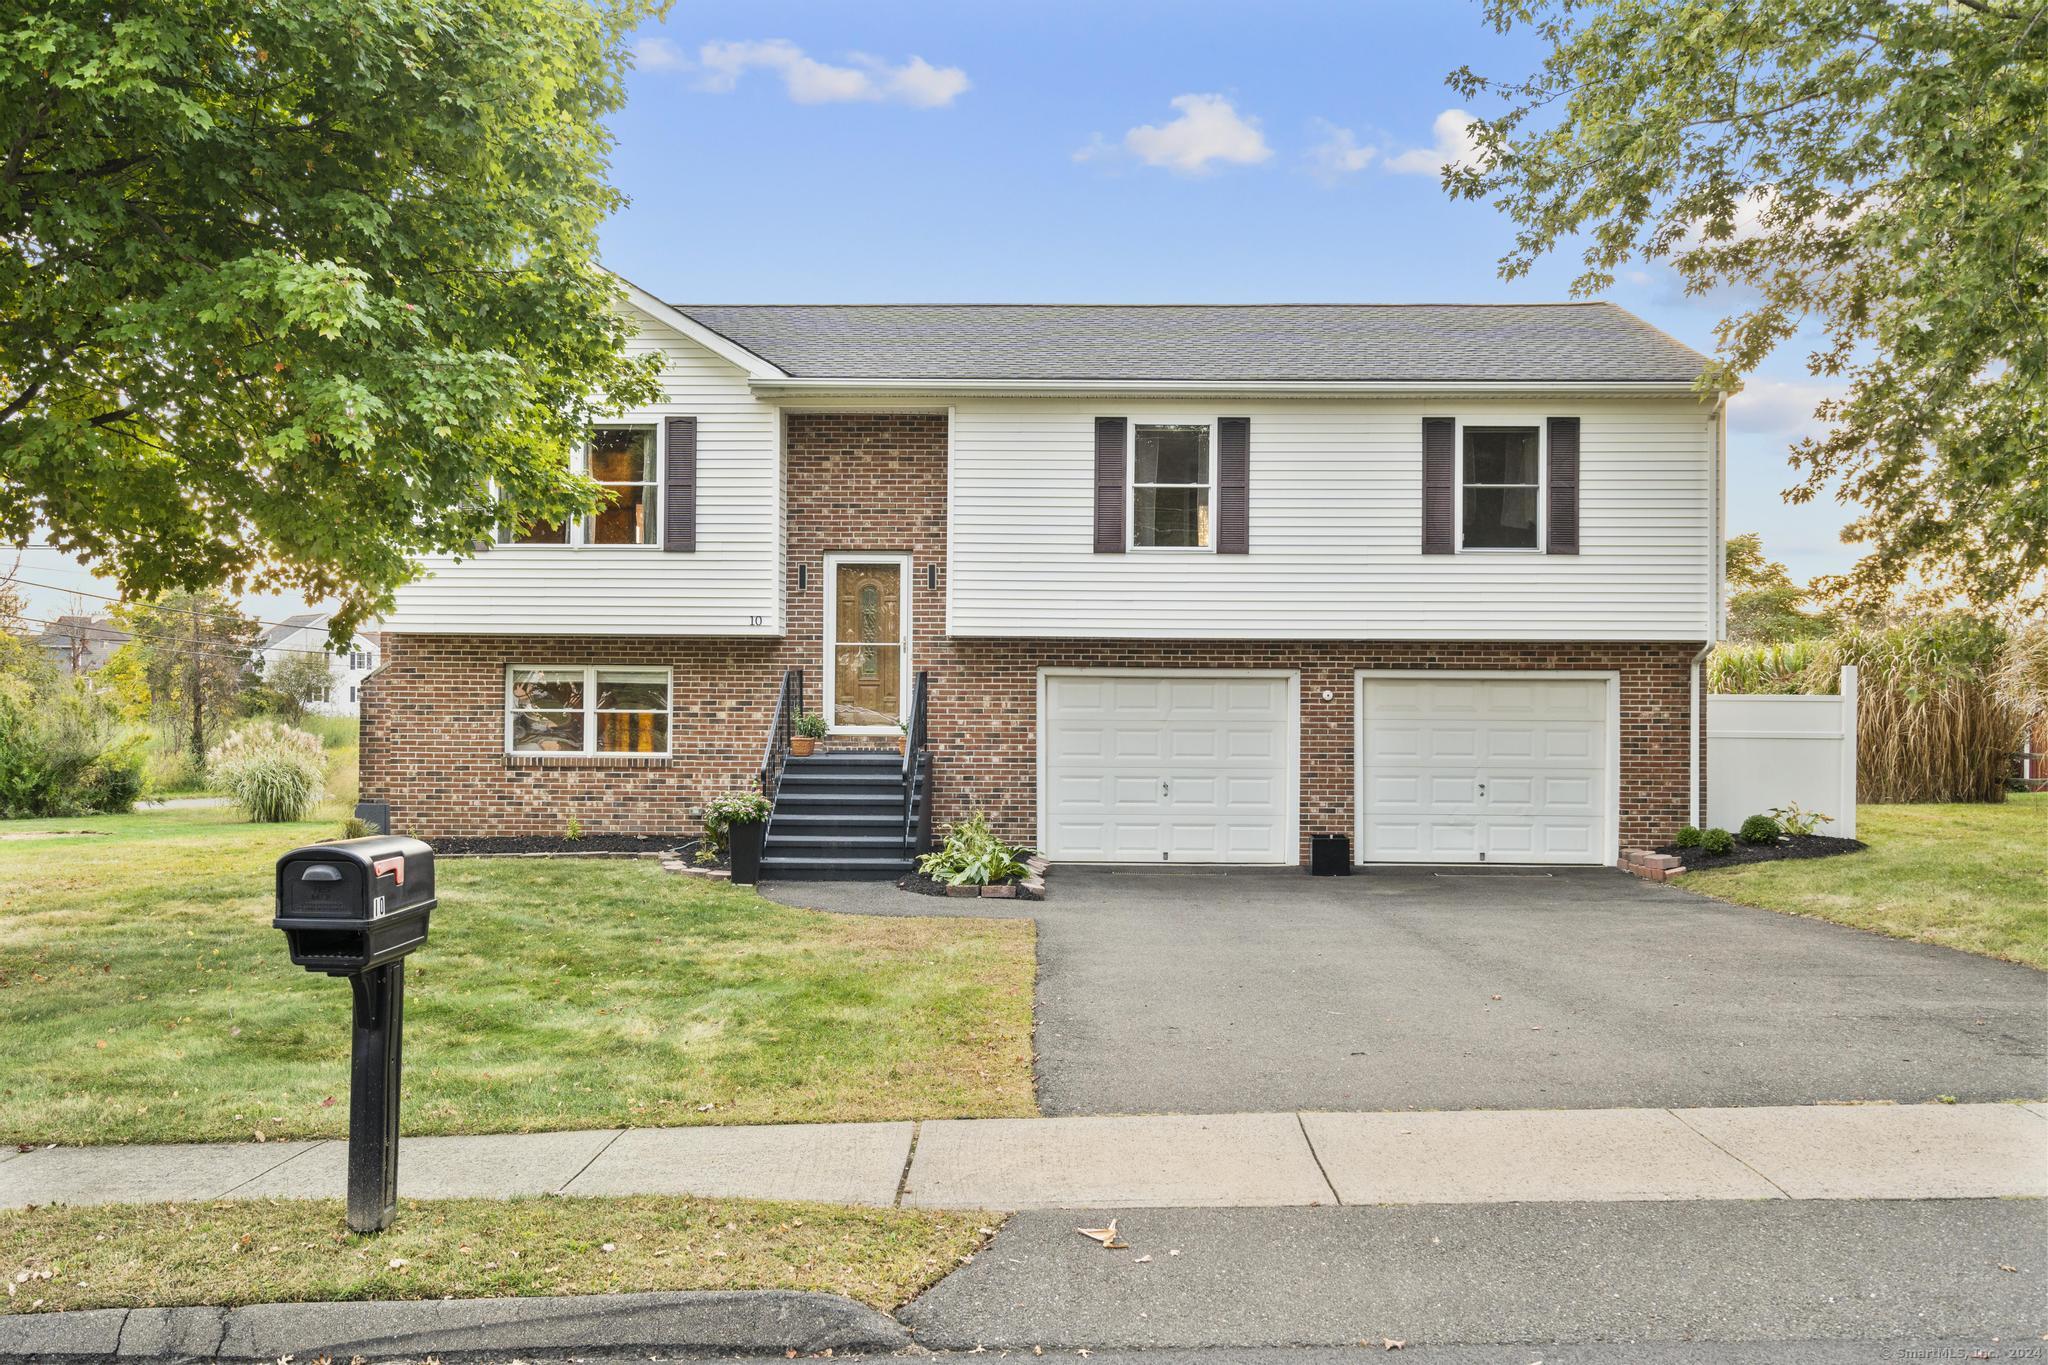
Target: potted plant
x=738, y=822
x=903, y=740
x=805, y=734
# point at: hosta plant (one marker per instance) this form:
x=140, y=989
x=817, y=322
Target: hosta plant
x=972, y=855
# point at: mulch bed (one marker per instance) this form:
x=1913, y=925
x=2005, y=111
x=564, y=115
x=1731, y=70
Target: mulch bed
x=1789, y=846
x=589, y=846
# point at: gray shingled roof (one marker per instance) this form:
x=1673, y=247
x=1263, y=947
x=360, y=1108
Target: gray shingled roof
x=1594, y=342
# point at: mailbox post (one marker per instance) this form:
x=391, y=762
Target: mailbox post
x=356, y=908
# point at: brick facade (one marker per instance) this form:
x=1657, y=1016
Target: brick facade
x=433, y=717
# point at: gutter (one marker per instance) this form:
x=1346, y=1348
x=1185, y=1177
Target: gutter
x=1604, y=387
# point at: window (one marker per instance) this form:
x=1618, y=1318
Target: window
x=1502, y=473
x=626, y=462
x=587, y=711
x=352, y=694
x=360, y=660
x=1170, y=474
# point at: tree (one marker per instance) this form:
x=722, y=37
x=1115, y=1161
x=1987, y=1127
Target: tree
x=298, y=680
x=1764, y=605
x=296, y=292
x=1871, y=170
x=192, y=652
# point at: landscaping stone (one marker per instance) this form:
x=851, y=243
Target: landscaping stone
x=963, y=891
x=1002, y=891
x=1031, y=889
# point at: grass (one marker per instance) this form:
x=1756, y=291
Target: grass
x=227, y=1254
x=1973, y=877
x=144, y=997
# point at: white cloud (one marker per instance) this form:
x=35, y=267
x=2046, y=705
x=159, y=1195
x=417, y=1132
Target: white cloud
x=1778, y=407
x=1453, y=133
x=809, y=81
x=656, y=53
x=1338, y=154
x=1208, y=130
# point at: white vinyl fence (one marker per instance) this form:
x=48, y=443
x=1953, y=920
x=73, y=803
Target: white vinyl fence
x=1770, y=751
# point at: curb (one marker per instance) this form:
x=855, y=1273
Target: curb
x=772, y=1320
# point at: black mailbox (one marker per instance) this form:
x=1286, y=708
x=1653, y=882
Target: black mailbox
x=350, y=906
x=355, y=909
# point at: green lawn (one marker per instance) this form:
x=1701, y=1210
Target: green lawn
x=1973, y=877
x=159, y=1255
x=145, y=997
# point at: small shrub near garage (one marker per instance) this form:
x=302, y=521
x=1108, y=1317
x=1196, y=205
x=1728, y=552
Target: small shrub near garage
x=1760, y=829
x=1717, y=842
x=972, y=855
x=1689, y=836
x=274, y=772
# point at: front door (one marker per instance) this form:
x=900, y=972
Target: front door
x=865, y=643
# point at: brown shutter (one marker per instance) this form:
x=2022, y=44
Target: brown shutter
x=1110, y=459
x=679, y=498
x=1562, y=486
x=1439, y=485
x=1233, y=485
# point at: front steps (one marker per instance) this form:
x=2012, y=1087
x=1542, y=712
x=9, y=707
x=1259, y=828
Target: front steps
x=838, y=817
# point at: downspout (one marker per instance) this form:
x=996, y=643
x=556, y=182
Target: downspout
x=1717, y=554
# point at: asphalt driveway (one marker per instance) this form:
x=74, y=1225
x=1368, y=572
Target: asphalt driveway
x=1217, y=992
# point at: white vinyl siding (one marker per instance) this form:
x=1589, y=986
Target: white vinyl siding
x=1336, y=520
x=729, y=585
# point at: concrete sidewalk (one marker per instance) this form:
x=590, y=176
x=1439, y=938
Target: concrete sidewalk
x=1963, y=1151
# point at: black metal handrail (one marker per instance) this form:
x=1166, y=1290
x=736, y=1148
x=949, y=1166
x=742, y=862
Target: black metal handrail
x=917, y=795
x=789, y=704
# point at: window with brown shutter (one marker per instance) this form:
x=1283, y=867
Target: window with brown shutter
x=1233, y=485
x=1562, y=474
x=1439, y=485
x=679, y=501
x=1110, y=453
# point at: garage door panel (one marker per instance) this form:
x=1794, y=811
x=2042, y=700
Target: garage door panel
x=1509, y=768
x=1196, y=769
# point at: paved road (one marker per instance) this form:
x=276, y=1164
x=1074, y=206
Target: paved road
x=1199, y=992
x=1494, y=1274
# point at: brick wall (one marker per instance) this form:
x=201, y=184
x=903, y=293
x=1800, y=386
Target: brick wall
x=433, y=721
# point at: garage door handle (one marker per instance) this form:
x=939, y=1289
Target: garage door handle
x=1482, y=791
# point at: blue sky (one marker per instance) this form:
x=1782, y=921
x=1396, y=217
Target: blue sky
x=1141, y=151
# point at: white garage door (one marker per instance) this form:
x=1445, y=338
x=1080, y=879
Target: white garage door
x=1497, y=770
x=1167, y=767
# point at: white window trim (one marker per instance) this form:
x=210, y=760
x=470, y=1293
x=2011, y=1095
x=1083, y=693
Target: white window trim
x=1131, y=544
x=1542, y=485
x=639, y=672
x=829, y=632
x=579, y=529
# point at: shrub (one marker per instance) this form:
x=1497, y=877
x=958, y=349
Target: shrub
x=810, y=725
x=972, y=855
x=573, y=830
x=356, y=827
x=722, y=812
x=1760, y=829
x=1717, y=842
x=273, y=772
x=1688, y=836
x=172, y=769
x=64, y=751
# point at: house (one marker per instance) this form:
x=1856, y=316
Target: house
x=1147, y=584
x=81, y=644
x=307, y=633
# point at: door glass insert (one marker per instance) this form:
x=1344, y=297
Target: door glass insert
x=867, y=649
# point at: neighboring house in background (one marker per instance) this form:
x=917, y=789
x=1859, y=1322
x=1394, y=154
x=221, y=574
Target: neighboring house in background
x=80, y=644
x=1184, y=584
x=308, y=632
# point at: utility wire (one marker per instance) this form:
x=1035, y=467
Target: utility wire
x=109, y=597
